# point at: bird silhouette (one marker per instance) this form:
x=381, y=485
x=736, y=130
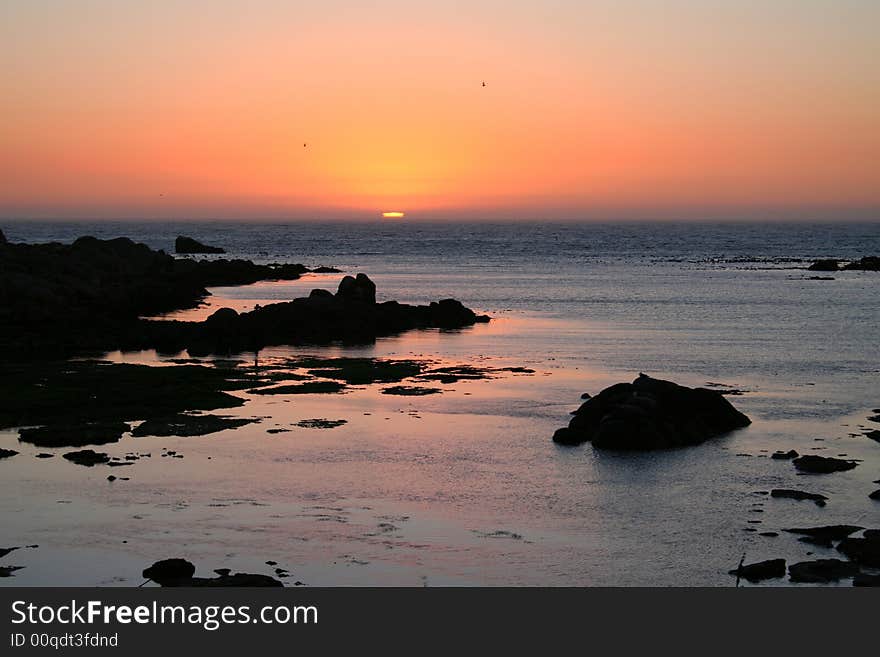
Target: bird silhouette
x=484, y=83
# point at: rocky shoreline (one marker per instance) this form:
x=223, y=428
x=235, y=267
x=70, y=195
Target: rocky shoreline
x=59, y=300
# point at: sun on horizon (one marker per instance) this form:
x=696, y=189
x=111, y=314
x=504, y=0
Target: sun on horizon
x=394, y=214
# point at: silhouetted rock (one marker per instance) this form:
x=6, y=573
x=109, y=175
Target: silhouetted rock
x=74, y=434
x=822, y=570
x=87, y=457
x=7, y=453
x=358, y=289
x=828, y=532
x=756, y=572
x=188, y=245
x=787, y=493
x=790, y=454
x=824, y=265
x=651, y=414
x=822, y=464
x=864, y=579
x=326, y=270
x=867, y=263
x=2, y=238
x=875, y=495
x=184, y=424
x=169, y=572
x=865, y=551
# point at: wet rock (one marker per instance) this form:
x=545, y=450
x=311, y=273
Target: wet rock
x=769, y=534
x=867, y=263
x=864, y=579
x=222, y=571
x=111, y=478
x=651, y=414
x=74, y=435
x=756, y=572
x=326, y=270
x=780, y=455
x=170, y=572
x=87, y=457
x=44, y=455
x=7, y=453
x=190, y=246
x=787, y=493
x=6, y=571
x=873, y=434
x=822, y=571
x=875, y=495
x=361, y=371
x=822, y=464
x=185, y=425
x=825, y=265
x=827, y=532
x=865, y=551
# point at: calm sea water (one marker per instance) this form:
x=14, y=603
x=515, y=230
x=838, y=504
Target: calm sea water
x=466, y=487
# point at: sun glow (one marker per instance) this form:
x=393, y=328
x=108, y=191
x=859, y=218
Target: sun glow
x=392, y=215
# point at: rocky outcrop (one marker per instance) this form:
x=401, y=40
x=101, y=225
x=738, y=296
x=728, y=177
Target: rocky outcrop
x=868, y=263
x=190, y=246
x=180, y=572
x=57, y=300
x=822, y=571
x=650, y=414
x=824, y=265
x=799, y=495
x=822, y=464
x=756, y=572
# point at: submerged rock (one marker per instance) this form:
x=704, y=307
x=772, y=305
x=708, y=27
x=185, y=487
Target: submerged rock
x=787, y=493
x=781, y=456
x=822, y=571
x=822, y=464
x=185, y=244
x=7, y=453
x=410, y=391
x=651, y=414
x=756, y=572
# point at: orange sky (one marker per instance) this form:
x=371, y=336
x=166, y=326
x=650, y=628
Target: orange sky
x=677, y=109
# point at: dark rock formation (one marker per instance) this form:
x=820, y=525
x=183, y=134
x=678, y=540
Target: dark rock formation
x=74, y=435
x=188, y=245
x=650, y=414
x=756, y=572
x=828, y=532
x=875, y=495
x=825, y=265
x=865, y=551
x=822, y=571
x=180, y=572
x=787, y=493
x=57, y=299
x=326, y=270
x=822, y=464
x=169, y=571
x=784, y=456
x=189, y=425
x=7, y=453
x=867, y=263
x=87, y=457
x=864, y=579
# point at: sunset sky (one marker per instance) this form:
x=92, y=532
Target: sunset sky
x=609, y=109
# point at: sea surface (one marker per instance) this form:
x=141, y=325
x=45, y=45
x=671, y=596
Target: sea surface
x=466, y=487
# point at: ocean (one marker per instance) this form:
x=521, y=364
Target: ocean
x=466, y=487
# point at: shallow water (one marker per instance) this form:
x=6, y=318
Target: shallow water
x=465, y=487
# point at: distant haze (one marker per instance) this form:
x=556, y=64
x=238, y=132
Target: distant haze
x=612, y=109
